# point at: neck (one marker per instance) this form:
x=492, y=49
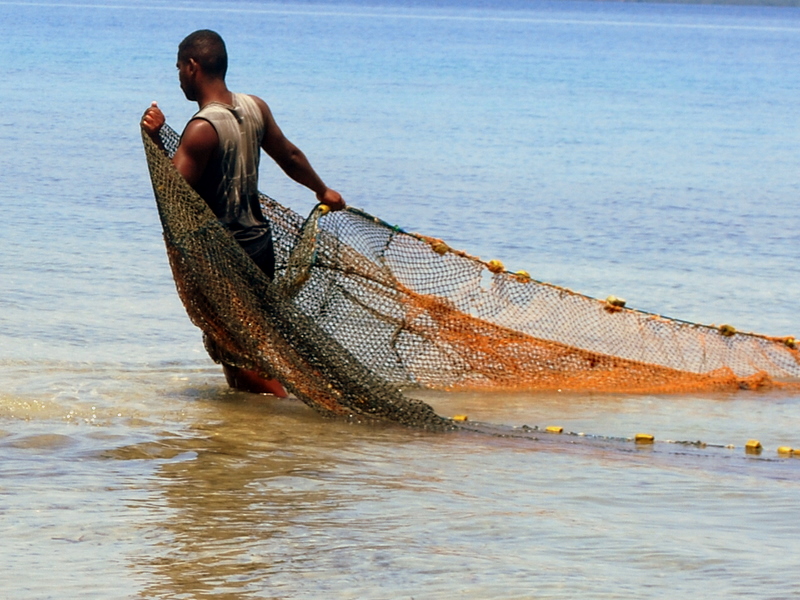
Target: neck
x=214, y=90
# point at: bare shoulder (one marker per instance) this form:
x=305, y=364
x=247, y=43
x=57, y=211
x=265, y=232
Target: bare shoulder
x=198, y=142
x=263, y=107
x=261, y=104
x=199, y=135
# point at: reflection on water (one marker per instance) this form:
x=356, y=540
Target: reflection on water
x=243, y=481
x=170, y=486
x=238, y=496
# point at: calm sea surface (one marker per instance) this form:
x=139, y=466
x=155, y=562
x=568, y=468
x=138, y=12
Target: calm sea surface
x=646, y=151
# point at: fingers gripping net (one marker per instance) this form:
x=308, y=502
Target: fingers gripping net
x=249, y=322
x=357, y=304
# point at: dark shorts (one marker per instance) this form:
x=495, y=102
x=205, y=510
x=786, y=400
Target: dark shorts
x=262, y=252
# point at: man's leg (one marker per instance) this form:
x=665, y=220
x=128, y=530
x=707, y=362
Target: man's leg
x=250, y=381
x=263, y=254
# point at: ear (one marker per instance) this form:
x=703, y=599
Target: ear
x=192, y=66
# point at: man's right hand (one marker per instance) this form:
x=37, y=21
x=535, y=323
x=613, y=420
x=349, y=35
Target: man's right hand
x=152, y=120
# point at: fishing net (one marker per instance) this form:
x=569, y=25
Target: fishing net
x=252, y=323
x=359, y=307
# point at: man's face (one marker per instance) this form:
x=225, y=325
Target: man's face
x=186, y=80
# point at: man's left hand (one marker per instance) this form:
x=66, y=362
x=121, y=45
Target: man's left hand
x=332, y=199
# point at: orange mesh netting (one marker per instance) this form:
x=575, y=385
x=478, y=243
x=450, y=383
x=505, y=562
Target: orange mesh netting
x=358, y=306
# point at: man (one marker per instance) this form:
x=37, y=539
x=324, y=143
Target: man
x=219, y=155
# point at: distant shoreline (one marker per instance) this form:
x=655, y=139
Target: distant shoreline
x=777, y=3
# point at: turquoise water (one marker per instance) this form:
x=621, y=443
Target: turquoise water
x=649, y=151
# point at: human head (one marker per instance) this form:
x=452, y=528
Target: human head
x=207, y=49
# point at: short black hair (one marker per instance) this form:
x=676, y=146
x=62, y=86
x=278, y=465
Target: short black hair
x=208, y=49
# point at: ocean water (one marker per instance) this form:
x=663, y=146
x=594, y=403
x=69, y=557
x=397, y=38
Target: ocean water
x=644, y=150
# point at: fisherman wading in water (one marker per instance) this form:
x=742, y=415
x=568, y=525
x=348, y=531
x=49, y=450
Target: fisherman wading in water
x=219, y=153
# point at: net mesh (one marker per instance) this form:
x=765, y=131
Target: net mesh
x=252, y=323
x=359, y=307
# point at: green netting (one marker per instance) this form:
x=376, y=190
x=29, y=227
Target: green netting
x=358, y=308
x=251, y=323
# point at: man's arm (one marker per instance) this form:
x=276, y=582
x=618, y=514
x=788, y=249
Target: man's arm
x=292, y=160
x=198, y=142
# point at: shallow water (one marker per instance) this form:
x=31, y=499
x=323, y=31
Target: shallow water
x=178, y=488
x=649, y=151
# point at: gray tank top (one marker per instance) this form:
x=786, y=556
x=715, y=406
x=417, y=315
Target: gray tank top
x=230, y=181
